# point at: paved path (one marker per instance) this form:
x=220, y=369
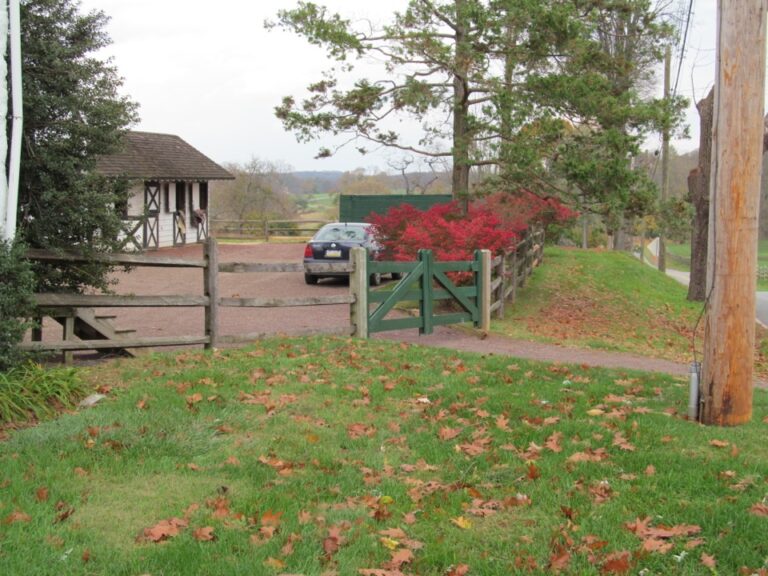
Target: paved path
x=469, y=341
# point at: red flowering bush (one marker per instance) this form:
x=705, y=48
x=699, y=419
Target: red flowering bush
x=495, y=223
x=404, y=230
x=524, y=208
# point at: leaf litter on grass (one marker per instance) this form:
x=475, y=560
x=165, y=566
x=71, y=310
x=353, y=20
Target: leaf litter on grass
x=421, y=462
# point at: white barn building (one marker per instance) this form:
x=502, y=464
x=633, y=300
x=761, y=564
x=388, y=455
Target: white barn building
x=169, y=180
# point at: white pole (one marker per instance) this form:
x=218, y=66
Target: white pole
x=18, y=119
x=3, y=114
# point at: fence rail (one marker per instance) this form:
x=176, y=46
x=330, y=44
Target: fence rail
x=512, y=270
x=264, y=229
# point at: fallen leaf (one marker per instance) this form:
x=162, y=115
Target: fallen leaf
x=274, y=563
x=358, y=430
x=399, y=557
x=446, y=433
x=458, y=570
x=759, y=509
x=622, y=443
x=461, y=522
x=194, y=399
x=708, y=561
x=63, y=511
x=17, y=516
x=163, y=530
x=616, y=563
x=389, y=543
x=41, y=494
x=719, y=443
x=204, y=534
x=650, y=470
x=559, y=560
x=553, y=442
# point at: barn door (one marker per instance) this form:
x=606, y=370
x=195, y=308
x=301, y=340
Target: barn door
x=152, y=215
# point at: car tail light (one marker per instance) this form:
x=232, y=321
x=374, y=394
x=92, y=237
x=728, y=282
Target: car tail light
x=308, y=251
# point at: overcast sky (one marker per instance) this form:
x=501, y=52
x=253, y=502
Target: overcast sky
x=210, y=73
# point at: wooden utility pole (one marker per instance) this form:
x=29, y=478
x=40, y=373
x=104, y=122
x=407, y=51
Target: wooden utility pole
x=737, y=144
x=665, y=158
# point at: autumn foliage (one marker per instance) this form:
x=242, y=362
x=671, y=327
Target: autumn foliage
x=495, y=223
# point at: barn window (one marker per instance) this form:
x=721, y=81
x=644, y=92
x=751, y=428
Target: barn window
x=204, y=195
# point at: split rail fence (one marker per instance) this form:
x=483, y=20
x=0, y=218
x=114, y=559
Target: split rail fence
x=264, y=229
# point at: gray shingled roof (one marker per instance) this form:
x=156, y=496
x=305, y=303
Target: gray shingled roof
x=152, y=156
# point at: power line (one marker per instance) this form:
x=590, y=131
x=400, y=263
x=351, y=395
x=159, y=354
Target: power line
x=682, y=46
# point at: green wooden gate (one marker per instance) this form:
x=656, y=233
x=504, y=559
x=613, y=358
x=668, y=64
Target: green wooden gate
x=426, y=282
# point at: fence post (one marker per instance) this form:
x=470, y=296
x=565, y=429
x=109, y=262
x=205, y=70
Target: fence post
x=211, y=290
x=358, y=288
x=426, y=309
x=514, y=275
x=266, y=230
x=502, y=286
x=69, y=334
x=485, y=290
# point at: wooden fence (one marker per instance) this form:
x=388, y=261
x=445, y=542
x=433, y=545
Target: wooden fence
x=64, y=307
x=504, y=276
x=511, y=271
x=264, y=229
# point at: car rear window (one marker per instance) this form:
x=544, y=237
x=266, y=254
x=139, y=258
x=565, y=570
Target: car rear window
x=341, y=232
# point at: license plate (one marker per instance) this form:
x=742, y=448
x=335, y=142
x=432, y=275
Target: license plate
x=333, y=253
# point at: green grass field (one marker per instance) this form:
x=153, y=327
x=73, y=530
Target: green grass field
x=336, y=456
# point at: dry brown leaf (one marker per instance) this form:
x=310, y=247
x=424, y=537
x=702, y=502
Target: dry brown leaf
x=446, y=433
x=204, y=534
x=708, y=561
x=559, y=560
x=616, y=563
x=553, y=442
x=164, y=530
x=759, y=509
x=358, y=430
x=17, y=516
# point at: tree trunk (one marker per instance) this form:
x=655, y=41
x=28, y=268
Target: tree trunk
x=698, y=188
x=697, y=286
x=461, y=132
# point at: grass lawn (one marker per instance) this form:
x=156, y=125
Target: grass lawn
x=610, y=301
x=337, y=456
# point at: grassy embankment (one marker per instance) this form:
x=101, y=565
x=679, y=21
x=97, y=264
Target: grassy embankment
x=609, y=301
x=334, y=456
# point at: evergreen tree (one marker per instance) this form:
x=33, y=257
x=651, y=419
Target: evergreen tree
x=72, y=114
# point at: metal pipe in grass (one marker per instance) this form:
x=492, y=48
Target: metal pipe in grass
x=693, y=390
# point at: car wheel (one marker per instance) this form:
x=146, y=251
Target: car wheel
x=396, y=275
x=375, y=279
x=311, y=279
